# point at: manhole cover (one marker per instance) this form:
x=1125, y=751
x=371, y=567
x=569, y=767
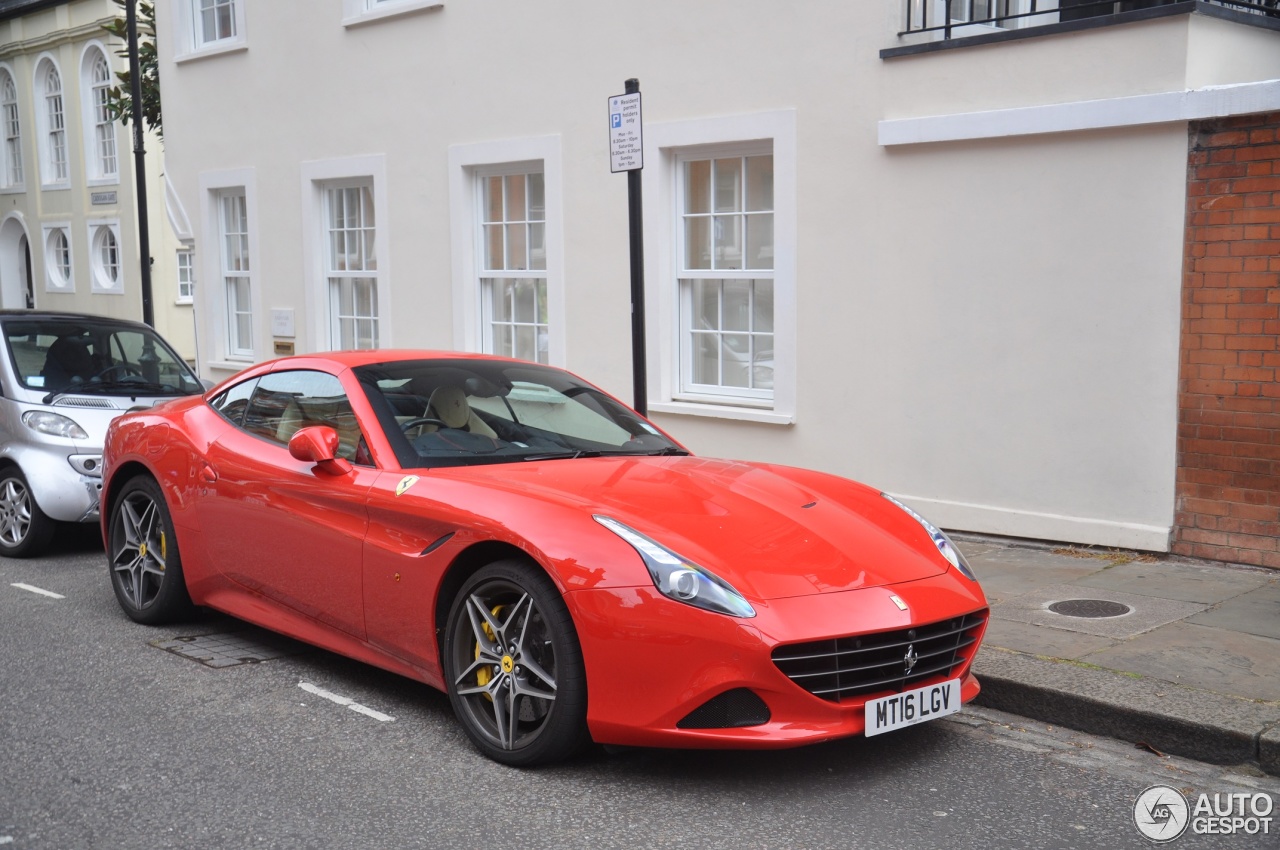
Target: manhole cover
x=230, y=650
x=1092, y=609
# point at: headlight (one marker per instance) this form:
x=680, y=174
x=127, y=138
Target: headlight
x=940, y=539
x=679, y=578
x=53, y=424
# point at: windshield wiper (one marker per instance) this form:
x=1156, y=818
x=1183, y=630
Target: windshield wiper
x=569, y=455
x=674, y=451
x=129, y=388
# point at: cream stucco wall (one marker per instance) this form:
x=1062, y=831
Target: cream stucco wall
x=988, y=326
x=63, y=33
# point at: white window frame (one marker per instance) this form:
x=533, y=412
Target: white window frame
x=358, y=12
x=317, y=178
x=101, y=281
x=101, y=141
x=339, y=277
x=49, y=136
x=189, y=35
x=666, y=147
x=55, y=279
x=184, y=263
x=12, y=175
x=213, y=298
x=486, y=273
x=466, y=164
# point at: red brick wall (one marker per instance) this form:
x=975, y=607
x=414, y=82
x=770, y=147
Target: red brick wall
x=1228, y=488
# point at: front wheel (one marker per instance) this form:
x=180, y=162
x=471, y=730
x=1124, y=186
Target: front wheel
x=146, y=569
x=514, y=667
x=25, y=530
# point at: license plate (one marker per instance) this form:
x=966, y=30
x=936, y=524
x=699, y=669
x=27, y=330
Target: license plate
x=911, y=707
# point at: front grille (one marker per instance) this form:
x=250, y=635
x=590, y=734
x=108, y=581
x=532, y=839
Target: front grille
x=838, y=668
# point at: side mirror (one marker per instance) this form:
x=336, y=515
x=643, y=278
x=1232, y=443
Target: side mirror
x=318, y=444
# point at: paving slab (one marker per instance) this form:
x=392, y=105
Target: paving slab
x=1185, y=582
x=1173, y=719
x=1146, y=612
x=1256, y=612
x=1002, y=579
x=1221, y=660
x=1044, y=640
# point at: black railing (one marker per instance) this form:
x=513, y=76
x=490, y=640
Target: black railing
x=922, y=15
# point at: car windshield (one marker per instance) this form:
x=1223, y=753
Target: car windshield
x=71, y=355
x=460, y=412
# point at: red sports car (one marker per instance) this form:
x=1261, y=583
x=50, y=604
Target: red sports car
x=563, y=569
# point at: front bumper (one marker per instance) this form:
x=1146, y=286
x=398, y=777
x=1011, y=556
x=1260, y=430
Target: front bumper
x=60, y=480
x=651, y=661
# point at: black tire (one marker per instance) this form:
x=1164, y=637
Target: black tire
x=25, y=530
x=142, y=550
x=514, y=668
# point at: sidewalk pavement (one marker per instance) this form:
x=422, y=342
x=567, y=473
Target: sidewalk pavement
x=1191, y=669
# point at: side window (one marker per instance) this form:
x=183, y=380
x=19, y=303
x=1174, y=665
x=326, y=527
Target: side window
x=284, y=402
x=233, y=402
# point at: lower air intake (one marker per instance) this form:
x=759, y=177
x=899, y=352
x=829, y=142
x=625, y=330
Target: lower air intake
x=731, y=710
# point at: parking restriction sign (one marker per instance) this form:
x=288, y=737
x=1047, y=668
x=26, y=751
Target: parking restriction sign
x=626, y=150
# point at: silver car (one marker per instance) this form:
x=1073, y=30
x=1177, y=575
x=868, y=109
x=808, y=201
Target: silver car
x=64, y=377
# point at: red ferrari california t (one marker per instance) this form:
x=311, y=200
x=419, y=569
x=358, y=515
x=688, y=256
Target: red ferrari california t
x=519, y=539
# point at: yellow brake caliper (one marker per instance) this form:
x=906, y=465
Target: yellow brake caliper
x=483, y=676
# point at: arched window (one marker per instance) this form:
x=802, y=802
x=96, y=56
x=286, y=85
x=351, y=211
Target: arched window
x=53, y=125
x=100, y=129
x=11, y=155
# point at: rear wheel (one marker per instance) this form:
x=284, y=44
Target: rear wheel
x=146, y=568
x=24, y=528
x=514, y=667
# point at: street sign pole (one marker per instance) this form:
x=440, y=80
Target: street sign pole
x=626, y=153
x=139, y=159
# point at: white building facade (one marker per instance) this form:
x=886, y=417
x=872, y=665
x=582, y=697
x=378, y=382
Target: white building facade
x=951, y=268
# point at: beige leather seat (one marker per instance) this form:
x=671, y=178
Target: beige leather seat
x=449, y=405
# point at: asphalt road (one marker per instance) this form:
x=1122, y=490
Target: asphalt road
x=107, y=741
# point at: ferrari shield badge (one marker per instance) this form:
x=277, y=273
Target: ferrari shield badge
x=405, y=483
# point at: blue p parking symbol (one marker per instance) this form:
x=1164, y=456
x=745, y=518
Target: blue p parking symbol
x=615, y=120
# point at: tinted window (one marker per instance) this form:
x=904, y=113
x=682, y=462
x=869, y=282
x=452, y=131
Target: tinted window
x=284, y=402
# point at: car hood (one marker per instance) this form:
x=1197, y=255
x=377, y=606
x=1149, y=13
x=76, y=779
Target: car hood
x=770, y=531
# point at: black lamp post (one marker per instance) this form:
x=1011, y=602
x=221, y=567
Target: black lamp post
x=139, y=160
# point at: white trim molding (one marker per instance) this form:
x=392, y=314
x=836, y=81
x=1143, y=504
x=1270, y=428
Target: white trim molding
x=212, y=297
x=358, y=12
x=316, y=174
x=1010, y=522
x=1160, y=108
x=465, y=163
x=664, y=143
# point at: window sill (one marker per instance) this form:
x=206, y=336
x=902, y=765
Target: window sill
x=215, y=49
x=394, y=10
x=19, y=189
x=113, y=180
x=100, y=290
x=231, y=365
x=723, y=411
x=55, y=187
x=184, y=302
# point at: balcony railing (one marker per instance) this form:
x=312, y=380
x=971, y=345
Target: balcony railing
x=958, y=18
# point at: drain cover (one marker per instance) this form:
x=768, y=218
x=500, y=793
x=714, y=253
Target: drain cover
x=1092, y=609
x=231, y=649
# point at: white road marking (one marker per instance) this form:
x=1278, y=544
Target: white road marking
x=341, y=700
x=48, y=593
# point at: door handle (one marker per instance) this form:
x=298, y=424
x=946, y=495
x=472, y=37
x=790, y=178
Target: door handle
x=208, y=474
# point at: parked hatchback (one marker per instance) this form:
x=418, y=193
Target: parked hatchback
x=64, y=377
